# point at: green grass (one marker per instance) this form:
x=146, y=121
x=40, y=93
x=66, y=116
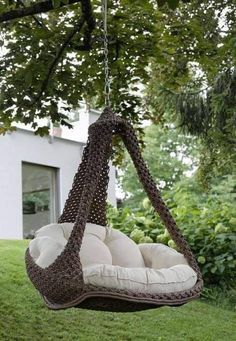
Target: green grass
x=24, y=317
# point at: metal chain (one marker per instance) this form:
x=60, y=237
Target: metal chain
x=105, y=51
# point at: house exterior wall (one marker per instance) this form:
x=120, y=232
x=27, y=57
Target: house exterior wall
x=24, y=146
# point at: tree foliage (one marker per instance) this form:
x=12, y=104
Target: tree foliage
x=181, y=52
x=51, y=62
x=57, y=56
x=169, y=155
x=193, y=80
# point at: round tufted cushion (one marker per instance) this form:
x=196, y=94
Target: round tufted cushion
x=110, y=259
x=101, y=245
x=58, y=232
x=177, y=278
x=159, y=256
x=45, y=250
x=125, y=252
x=94, y=251
x=48, y=244
x=51, y=239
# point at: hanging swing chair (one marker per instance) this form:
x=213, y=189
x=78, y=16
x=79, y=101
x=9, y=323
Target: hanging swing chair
x=65, y=282
x=81, y=262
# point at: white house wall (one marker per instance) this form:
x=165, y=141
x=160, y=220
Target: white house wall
x=24, y=146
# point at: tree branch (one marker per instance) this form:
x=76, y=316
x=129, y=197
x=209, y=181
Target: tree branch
x=171, y=92
x=87, y=17
x=33, y=16
x=59, y=54
x=40, y=7
x=91, y=23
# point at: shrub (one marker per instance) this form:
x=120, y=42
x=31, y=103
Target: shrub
x=207, y=222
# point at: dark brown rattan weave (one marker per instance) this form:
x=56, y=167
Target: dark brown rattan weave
x=61, y=284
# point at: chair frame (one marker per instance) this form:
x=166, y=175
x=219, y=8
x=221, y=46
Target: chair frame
x=61, y=284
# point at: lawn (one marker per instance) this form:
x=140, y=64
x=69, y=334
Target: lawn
x=24, y=317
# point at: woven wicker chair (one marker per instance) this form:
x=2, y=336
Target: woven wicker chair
x=61, y=283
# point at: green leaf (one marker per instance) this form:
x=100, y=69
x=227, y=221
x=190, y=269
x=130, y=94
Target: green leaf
x=56, y=3
x=213, y=270
x=28, y=77
x=161, y=2
x=42, y=131
x=173, y=4
x=43, y=34
x=201, y=260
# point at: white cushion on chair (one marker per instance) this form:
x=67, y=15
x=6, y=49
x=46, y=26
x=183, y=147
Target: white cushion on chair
x=111, y=259
x=94, y=251
x=101, y=245
x=51, y=239
x=159, y=256
x=124, y=251
x=45, y=250
x=147, y=280
x=54, y=231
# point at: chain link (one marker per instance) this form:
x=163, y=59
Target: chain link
x=105, y=51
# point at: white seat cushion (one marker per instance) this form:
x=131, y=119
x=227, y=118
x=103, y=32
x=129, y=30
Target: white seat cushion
x=159, y=256
x=45, y=250
x=147, y=280
x=110, y=259
x=54, y=231
x=51, y=239
x=125, y=252
x=101, y=245
x=94, y=251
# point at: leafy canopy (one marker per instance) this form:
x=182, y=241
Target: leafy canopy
x=193, y=80
x=53, y=60
x=56, y=57
x=181, y=52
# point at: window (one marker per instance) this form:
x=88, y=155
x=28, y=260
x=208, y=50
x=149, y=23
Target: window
x=40, y=197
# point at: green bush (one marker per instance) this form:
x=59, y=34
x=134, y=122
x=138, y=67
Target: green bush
x=209, y=225
x=214, y=246
x=208, y=222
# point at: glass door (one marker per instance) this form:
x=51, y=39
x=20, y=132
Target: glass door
x=40, y=197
